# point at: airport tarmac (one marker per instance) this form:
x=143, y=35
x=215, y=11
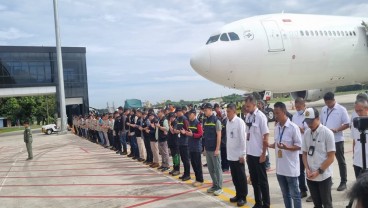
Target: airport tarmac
x=68, y=171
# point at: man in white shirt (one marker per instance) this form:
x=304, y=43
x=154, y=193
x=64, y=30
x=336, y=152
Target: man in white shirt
x=298, y=119
x=336, y=118
x=318, y=155
x=361, y=108
x=287, y=144
x=236, y=148
x=257, y=144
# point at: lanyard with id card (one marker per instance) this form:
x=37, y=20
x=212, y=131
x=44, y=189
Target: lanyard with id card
x=279, y=153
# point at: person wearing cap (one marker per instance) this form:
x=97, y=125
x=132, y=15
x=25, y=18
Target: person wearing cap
x=173, y=144
x=212, y=137
x=318, y=155
x=298, y=119
x=145, y=125
x=336, y=118
x=151, y=131
x=162, y=131
x=183, y=125
x=257, y=144
x=139, y=135
x=287, y=144
x=236, y=148
x=28, y=139
x=194, y=134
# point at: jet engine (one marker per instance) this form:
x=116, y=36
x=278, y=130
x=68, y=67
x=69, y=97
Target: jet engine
x=311, y=95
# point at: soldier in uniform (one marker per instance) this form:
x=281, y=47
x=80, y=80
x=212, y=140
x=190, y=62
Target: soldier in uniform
x=28, y=139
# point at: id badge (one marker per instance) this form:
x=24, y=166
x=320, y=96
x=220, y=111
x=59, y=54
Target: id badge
x=311, y=150
x=248, y=136
x=178, y=135
x=279, y=153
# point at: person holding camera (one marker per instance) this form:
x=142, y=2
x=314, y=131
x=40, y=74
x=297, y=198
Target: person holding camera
x=318, y=154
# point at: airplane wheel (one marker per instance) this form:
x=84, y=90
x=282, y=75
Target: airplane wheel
x=270, y=114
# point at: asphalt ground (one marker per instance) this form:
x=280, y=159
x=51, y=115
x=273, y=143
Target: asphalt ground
x=68, y=171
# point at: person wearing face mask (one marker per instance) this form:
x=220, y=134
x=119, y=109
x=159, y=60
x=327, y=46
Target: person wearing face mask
x=298, y=119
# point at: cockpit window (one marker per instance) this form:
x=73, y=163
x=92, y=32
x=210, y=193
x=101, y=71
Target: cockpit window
x=213, y=39
x=224, y=37
x=233, y=36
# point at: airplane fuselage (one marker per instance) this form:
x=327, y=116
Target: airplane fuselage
x=286, y=53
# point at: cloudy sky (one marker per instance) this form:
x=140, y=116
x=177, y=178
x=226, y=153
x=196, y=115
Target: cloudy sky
x=141, y=48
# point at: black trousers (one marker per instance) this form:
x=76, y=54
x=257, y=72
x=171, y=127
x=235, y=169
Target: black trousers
x=341, y=161
x=175, y=154
x=195, y=158
x=147, y=145
x=321, y=193
x=117, y=142
x=224, y=161
x=184, y=155
x=239, y=179
x=110, y=136
x=258, y=175
x=301, y=178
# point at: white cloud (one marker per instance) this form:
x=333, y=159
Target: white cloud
x=13, y=33
x=141, y=48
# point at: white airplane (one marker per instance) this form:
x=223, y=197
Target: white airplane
x=307, y=55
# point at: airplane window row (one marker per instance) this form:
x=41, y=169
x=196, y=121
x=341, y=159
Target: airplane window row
x=223, y=37
x=327, y=33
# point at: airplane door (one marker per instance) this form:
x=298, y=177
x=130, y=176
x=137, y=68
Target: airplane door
x=275, y=43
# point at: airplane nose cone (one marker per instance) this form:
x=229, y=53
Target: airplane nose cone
x=201, y=61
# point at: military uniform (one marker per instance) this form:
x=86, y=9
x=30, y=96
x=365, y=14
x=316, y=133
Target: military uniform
x=28, y=140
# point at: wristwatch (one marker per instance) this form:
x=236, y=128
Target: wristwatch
x=320, y=171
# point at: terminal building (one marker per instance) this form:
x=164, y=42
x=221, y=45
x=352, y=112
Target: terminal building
x=33, y=71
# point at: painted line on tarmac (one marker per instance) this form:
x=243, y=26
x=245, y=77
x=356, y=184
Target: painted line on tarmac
x=64, y=164
x=85, y=184
x=70, y=176
x=71, y=169
x=84, y=149
x=7, y=174
x=85, y=197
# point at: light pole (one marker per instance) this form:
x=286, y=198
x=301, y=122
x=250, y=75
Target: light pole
x=60, y=72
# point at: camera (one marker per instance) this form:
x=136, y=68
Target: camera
x=361, y=123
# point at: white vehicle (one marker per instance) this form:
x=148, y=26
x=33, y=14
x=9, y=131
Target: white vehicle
x=49, y=129
x=307, y=55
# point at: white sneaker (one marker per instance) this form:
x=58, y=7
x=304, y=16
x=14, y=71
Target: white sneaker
x=218, y=192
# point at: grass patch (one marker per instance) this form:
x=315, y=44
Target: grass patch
x=16, y=128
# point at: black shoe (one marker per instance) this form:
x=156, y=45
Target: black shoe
x=186, y=178
x=234, y=199
x=171, y=172
x=135, y=158
x=303, y=194
x=30, y=158
x=341, y=187
x=118, y=152
x=125, y=153
x=181, y=177
x=205, y=165
x=130, y=155
x=175, y=173
x=241, y=202
x=165, y=169
x=159, y=168
x=121, y=153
